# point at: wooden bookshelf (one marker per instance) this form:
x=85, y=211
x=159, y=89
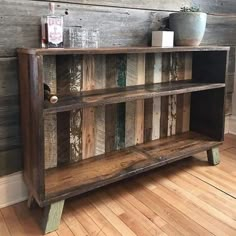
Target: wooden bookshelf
x=116, y=115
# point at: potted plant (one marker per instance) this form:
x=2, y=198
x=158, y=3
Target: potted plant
x=188, y=25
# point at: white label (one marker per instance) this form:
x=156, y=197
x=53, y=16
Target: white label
x=55, y=30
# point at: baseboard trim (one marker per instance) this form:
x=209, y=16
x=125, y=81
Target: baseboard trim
x=12, y=189
x=232, y=125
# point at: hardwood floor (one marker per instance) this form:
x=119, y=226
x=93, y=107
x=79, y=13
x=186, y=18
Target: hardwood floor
x=188, y=197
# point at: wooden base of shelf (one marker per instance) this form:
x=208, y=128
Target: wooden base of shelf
x=73, y=179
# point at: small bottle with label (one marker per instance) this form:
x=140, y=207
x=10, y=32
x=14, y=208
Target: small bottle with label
x=52, y=29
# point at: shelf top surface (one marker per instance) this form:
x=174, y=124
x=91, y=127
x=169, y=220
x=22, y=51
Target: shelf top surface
x=117, y=50
x=117, y=95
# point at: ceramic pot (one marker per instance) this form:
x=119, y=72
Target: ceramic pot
x=188, y=27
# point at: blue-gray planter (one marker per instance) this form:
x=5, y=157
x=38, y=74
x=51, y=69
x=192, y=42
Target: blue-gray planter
x=188, y=27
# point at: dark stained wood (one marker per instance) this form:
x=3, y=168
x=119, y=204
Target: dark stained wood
x=63, y=66
x=118, y=95
x=25, y=117
x=120, y=50
x=207, y=108
x=95, y=172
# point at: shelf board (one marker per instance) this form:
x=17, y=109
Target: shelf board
x=67, y=181
x=117, y=95
x=118, y=50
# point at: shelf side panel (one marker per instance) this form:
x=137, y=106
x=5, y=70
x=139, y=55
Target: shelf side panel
x=207, y=113
x=37, y=130
x=209, y=67
x=207, y=107
x=26, y=122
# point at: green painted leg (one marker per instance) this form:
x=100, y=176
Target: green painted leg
x=213, y=156
x=52, y=216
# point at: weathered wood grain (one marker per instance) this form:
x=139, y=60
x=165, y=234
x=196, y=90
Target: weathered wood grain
x=69, y=76
x=167, y=5
x=125, y=27
x=88, y=115
x=187, y=96
x=134, y=123
x=104, y=169
x=164, y=100
x=50, y=120
x=153, y=106
x=115, y=114
x=132, y=93
x=8, y=76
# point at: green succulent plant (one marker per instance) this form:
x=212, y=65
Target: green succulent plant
x=190, y=9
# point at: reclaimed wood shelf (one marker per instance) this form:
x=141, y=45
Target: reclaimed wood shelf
x=118, y=50
x=121, y=111
x=117, y=95
x=70, y=180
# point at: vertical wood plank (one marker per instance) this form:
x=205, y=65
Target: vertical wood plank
x=50, y=120
x=180, y=72
x=172, y=100
x=69, y=123
x=115, y=113
x=93, y=124
x=187, y=97
x=75, y=80
x=88, y=120
x=111, y=110
x=164, y=100
x=134, y=123
x=153, y=106
x=121, y=82
x=100, y=83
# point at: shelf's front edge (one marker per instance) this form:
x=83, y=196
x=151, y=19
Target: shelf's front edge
x=118, y=50
x=119, y=99
x=89, y=187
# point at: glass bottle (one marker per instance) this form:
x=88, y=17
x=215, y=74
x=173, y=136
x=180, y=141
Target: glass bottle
x=52, y=29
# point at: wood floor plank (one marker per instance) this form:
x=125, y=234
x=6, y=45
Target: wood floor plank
x=88, y=223
x=186, y=208
x=64, y=230
x=182, y=223
x=73, y=224
x=149, y=213
x=111, y=217
x=99, y=219
x=206, y=211
x=25, y=218
x=3, y=227
x=127, y=218
x=141, y=219
x=222, y=204
x=211, y=179
x=14, y=226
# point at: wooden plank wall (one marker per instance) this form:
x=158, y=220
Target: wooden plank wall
x=122, y=23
